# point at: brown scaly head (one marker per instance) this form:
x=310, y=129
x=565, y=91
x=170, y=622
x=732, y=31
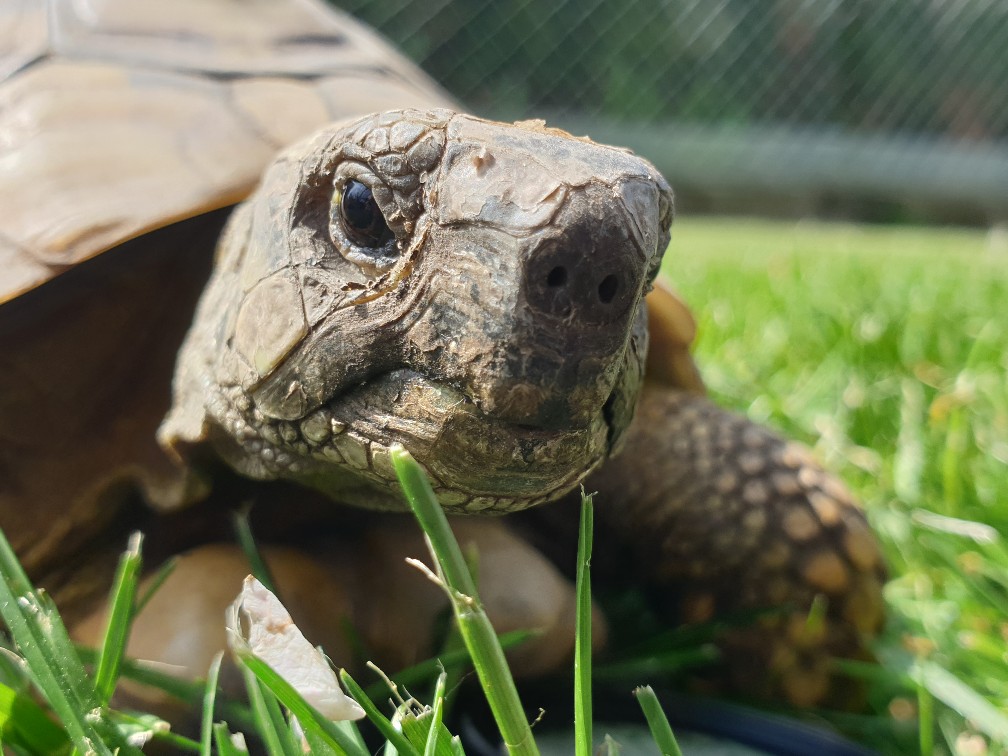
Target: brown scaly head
x=472, y=290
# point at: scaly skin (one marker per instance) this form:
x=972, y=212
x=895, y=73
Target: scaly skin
x=726, y=517
x=498, y=332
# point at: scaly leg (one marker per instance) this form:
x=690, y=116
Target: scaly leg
x=726, y=517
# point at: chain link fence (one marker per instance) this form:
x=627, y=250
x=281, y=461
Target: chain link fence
x=885, y=109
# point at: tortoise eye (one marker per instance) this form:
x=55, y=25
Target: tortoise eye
x=361, y=216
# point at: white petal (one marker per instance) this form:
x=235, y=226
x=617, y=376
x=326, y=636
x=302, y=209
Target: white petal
x=272, y=635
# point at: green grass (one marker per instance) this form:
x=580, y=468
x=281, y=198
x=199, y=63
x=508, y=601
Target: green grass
x=454, y=576
x=886, y=349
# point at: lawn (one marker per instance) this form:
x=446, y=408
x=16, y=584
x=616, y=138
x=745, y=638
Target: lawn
x=886, y=349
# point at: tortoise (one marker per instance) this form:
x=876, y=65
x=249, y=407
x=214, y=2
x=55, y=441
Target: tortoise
x=405, y=274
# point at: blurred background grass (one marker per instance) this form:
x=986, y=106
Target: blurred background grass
x=886, y=349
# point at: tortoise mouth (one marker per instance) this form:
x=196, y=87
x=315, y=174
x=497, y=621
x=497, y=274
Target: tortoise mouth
x=476, y=461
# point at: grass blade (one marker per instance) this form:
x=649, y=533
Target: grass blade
x=307, y=715
x=474, y=626
x=424, y=726
x=658, y=723
x=433, y=521
x=431, y=746
x=209, y=698
x=269, y=720
x=121, y=601
x=350, y=729
x=225, y=745
x=960, y=697
x=25, y=724
x=583, y=634
x=380, y=721
x=55, y=668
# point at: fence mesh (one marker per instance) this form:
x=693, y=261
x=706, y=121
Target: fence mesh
x=902, y=100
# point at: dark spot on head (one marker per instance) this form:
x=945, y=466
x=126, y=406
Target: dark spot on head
x=607, y=288
x=557, y=276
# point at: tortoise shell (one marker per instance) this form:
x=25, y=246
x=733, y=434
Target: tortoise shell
x=120, y=117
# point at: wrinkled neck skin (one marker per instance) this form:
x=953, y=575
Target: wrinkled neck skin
x=498, y=332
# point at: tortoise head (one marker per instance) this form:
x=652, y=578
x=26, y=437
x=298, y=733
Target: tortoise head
x=471, y=290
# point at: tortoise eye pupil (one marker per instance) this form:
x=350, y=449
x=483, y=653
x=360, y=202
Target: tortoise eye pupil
x=361, y=215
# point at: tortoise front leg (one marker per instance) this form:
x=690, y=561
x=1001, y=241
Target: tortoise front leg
x=726, y=517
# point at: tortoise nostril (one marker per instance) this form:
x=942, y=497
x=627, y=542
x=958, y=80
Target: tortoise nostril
x=607, y=288
x=557, y=276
